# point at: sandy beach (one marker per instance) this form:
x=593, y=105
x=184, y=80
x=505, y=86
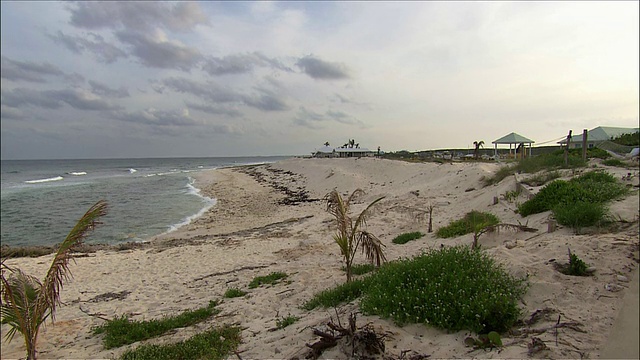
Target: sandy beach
x=271, y=218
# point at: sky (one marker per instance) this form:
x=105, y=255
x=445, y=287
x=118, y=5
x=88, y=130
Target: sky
x=205, y=79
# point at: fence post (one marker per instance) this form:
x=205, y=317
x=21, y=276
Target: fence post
x=584, y=145
x=566, y=150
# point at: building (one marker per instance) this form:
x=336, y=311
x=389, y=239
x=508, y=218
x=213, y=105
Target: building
x=597, y=135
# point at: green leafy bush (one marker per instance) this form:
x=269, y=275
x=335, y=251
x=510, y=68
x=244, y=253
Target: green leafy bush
x=452, y=288
x=122, y=331
x=631, y=139
x=471, y=222
x=576, y=266
x=580, y=214
x=405, y=238
x=269, y=279
x=614, y=162
x=234, y=293
x=360, y=269
x=213, y=344
x=592, y=187
x=344, y=293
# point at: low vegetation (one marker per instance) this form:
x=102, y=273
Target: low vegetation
x=614, y=162
x=577, y=202
x=122, y=331
x=234, y=293
x=282, y=323
x=471, y=222
x=270, y=279
x=360, y=269
x=452, y=288
x=575, y=267
x=631, y=139
x=405, y=238
x=541, y=178
x=213, y=344
x=344, y=293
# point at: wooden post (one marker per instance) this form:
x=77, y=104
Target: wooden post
x=551, y=225
x=495, y=200
x=584, y=145
x=566, y=150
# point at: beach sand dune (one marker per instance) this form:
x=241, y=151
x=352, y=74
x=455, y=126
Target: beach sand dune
x=254, y=230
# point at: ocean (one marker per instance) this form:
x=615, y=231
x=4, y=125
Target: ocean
x=41, y=200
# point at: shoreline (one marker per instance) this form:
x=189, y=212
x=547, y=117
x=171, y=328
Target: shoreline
x=254, y=232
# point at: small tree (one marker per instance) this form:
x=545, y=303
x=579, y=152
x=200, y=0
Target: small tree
x=476, y=151
x=27, y=302
x=350, y=234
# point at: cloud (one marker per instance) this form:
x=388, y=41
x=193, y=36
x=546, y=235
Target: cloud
x=241, y=64
x=207, y=91
x=10, y=113
x=101, y=89
x=214, y=110
x=105, y=52
x=308, y=118
x=343, y=118
x=54, y=99
x=266, y=101
x=322, y=70
x=27, y=71
x=159, y=52
x=153, y=116
x=137, y=15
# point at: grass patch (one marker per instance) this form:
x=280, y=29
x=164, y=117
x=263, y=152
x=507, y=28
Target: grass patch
x=542, y=178
x=234, y=293
x=360, y=269
x=270, y=279
x=500, y=175
x=213, y=344
x=344, y=293
x=286, y=321
x=452, y=288
x=580, y=214
x=405, y=238
x=471, y=222
x=122, y=331
x=614, y=162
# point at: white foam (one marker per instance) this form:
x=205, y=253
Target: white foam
x=209, y=203
x=132, y=171
x=57, y=178
x=79, y=173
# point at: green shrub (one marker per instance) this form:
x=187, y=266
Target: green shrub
x=541, y=179
x=452, y=288
x=344, y=293
x=614, y=162
x=631, y=139
x=269, y=279
x=286, y=321
x=122, y=331
x=360, y=269
x=580, y=214
x=592, y=187
x=405, y=238
x=471, y=222
x=234, y=293
x=212, y=344
x=500, y=175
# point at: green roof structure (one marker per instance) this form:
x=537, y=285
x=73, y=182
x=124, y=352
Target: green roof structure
x=516, y=140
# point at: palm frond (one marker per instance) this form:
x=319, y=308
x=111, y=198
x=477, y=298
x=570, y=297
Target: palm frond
x=59, y=270
x=362, y=218
x=354, y=195
x=19, y=306
x=372, y=247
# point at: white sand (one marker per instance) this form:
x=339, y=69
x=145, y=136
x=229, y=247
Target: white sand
x=174, y=274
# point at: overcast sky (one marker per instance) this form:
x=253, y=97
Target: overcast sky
x=161, y=79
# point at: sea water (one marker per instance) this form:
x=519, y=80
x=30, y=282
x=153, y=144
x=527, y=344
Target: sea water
x=41, y=200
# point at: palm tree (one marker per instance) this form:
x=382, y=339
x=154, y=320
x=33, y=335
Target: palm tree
x=326, y=144
x=350, y=234
x=27, y=302
x=476, y=151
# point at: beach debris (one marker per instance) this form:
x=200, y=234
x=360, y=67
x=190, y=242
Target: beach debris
x=622, y=278
x=110, y=296
x=613, y=287
x=358, y=343
x=484, y=341
x=538, y=315
x=536, y=345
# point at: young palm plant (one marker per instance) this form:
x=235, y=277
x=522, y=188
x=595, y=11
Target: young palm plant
x=27, y=302
x=350, y=234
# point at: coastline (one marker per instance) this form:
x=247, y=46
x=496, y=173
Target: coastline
x=253, y=226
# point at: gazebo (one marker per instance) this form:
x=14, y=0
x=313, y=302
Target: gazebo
x=513, y=139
